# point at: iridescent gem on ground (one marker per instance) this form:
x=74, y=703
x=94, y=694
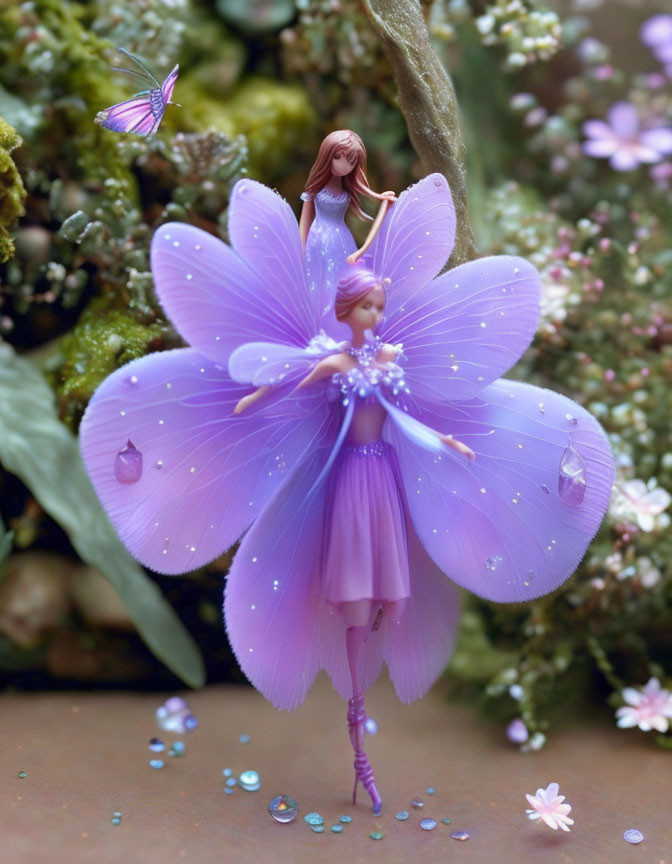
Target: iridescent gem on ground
x=175, y=716
x=244, y=739
x=446, y=820
x=417, y=803
x=346, y=819
x=430, y=790
x=376, y=835
x=337, y=829
x=402, y=815
x=283, y=808
x=428, y=824
x=156, y=745
x=156, y=763
x=318, y=829
x=250, y=781
x=313, y=819
x=633, y=835
x=460, y=835
x=22, y=775
x=177, y=749
x=231, y=781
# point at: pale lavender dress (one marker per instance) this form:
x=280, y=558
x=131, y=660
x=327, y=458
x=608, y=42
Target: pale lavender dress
x=328, y=244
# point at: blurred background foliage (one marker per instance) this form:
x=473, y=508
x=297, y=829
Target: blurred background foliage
x=260, y=83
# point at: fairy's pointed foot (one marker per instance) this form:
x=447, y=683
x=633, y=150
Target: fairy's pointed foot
x=364, y=772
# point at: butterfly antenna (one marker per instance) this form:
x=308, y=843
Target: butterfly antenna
x=142, y=76
x=140, y=64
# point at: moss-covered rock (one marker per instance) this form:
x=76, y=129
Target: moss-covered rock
x=12, y=192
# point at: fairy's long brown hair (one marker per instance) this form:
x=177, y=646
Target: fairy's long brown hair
x=355, y=183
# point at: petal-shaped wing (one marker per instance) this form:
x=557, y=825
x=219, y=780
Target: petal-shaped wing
x=178, y=473
x=264, y=232
x=466, y=328
x=514, y=523
x=415, y=239
x=213, y=297
x=134, y=115
x=169, y=84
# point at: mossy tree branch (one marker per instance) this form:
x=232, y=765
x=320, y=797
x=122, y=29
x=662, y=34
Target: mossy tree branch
x=428, y=103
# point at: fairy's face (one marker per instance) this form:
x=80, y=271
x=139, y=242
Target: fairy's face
x=368, y=313
x=343, y=162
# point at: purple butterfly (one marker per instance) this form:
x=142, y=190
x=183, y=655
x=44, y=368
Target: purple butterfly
x=142, y=114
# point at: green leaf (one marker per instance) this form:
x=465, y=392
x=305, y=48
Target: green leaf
x=39, y=449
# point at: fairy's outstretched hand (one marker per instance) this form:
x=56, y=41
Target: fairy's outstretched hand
x=459, y=446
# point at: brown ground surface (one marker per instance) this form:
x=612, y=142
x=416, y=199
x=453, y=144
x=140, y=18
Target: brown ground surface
x=86, y=756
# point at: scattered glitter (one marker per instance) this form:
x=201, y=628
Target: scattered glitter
x=231, y=781
x=428, y=824
x=402, y=815
x=446, y=820
x=156, y=745
x=430, y=790
x=632, y=835
x=227, y=772
x=313, y=819
x=418, y=803
x=318, y=829
x=244, y=739
x=22, y=775
x=250, y=781
x=371, y=726
x=337, y=829
x=156, y=763
x=283, y=808
x=460, y=835
x=346, y=819
x=376, y=835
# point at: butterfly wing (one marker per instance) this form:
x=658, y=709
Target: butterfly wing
x=135, y=115
x=168, y=85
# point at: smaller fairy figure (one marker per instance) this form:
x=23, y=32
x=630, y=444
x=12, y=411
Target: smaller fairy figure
x=336, y=182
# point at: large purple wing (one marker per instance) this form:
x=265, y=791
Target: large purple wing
x=513, y=524
x=168, y=85
x=464, y=329
x=180, y=476
x=135, y=115
x=415, y=239
x=264, y=232
x=216, y=299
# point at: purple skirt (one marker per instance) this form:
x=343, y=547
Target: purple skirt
x=365, y=553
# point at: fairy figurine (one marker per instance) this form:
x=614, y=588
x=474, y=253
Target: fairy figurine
x=361, y=471
x=335, y=184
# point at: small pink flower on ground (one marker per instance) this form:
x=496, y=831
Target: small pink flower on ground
x=623, y=141
x=548, y=806
x=649, y=708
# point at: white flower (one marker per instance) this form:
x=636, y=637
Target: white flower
x=548, y=805
x=634, y=500
x=649, y=708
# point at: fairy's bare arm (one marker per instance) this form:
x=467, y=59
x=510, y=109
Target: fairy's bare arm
x=251, y=398
x=324, y=369
x=377, y=222
x=307, y=216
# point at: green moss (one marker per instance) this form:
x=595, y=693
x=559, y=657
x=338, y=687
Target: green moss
x=12, y=192
x=104, y=339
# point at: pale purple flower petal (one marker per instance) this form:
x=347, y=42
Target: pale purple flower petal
x=657, y=30
x=659, y=140
x=623, y=119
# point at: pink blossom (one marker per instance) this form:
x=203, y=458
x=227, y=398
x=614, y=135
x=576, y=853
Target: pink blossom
x=649, y=708
x=548, y=805
x=623, y=141
x=635, y=501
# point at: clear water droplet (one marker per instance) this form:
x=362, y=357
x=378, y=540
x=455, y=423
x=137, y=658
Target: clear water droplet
x=245, y=739
x=313, y=819
x=531, y=576
x=227, y=772
x=460, y=835
x=128, y=464
x=337, y=829
x=376, y=835
x=22, y=775
x=116, y=820
x=417, y=803
x=231, y=781
x=283, y=808
x=402, y=815
x=633, y=835
x=571, y=478
x=229, y=791
x=346, y=819
x=250, y=781
x=430, y=790
x=156, y=745
x=446, y=820
x=318, y=829
x=156, y=763
x=545, y=489
x=491, y=563
x=428, y=824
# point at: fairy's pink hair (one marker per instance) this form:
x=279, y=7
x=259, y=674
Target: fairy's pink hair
x=352, y=287
x=355, y=183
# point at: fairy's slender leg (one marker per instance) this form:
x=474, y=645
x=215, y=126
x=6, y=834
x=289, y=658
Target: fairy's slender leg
x=355, y=639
